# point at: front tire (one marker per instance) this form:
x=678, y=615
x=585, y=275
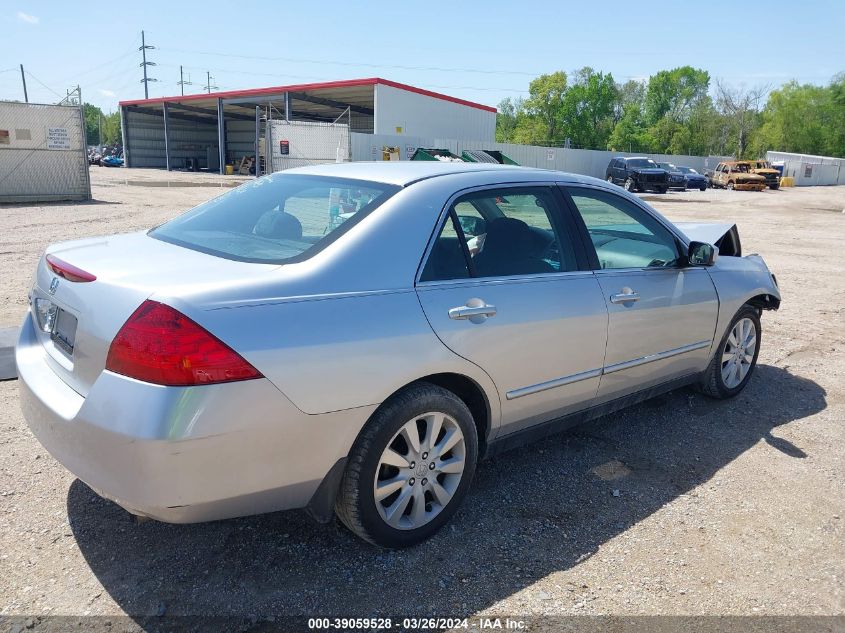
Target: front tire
x=630, y=185
x=703, y=187
x=410, y=468
x=736, y=357
x=730, y=186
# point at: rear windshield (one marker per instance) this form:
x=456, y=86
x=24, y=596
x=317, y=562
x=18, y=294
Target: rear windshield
x=276, y=219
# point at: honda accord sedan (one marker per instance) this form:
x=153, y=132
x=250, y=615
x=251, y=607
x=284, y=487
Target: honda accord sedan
x=352, y=339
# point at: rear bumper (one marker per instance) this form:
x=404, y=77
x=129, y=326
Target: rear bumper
x=183, y=454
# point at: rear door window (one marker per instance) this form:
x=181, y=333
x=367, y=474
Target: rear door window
x=501, y=232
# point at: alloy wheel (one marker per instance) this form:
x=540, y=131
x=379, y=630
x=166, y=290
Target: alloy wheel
x=419, y=471
x=738, y=353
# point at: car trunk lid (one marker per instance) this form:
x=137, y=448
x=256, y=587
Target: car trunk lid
x=128, y=269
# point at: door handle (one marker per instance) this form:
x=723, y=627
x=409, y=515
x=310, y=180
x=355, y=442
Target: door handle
x=625, y=296
x=476, y=311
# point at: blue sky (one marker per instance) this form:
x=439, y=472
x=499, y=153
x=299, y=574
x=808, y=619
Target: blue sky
x=483, y=52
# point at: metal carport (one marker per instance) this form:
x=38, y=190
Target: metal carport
x=217, y=128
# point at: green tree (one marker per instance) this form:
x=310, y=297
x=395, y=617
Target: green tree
x=111, y=129
x=506, y=119
x=545, y=104
x=673, y=93
x=631, y=93
x=587, y=110
x=740, y=106
x=92, y=115
x=630, y=134
x=804, y=118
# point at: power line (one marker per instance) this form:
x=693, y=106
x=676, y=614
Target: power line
x=43, y=85
x=313, y=78
x=106, y=63
x=362, y=64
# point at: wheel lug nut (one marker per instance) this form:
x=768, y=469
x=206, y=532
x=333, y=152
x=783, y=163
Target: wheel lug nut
x=412, y=481
x=425, y=455
x=413, y=464
x=424, y=481
x=431, y=466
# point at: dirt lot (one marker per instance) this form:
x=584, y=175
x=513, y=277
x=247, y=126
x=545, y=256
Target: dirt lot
x=681, y=505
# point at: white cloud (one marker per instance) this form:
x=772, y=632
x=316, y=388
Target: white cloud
x=106, y=93
x=26, y=17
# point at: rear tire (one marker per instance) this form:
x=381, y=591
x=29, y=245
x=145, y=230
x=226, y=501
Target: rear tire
x=395, y=494
x=703, y=187
x=774, y=187
x=609, y=179
x=662, y=189
x=736, y=357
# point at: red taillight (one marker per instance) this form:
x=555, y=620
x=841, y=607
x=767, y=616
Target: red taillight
x=68, y=271
x=159, y=344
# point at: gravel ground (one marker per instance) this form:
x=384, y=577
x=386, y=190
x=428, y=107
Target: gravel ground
x=681, y=505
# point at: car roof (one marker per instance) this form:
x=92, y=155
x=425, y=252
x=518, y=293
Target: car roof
x=404, y=173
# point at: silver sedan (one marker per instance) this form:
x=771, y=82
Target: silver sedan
x=352, y=339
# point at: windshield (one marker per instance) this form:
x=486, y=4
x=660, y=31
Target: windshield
x=641, y=162
x=667, y=166
x=688, y=170
x=276, y=219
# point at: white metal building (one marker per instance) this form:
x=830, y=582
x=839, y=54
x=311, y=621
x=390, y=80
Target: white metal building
x=211, y=130
x=809, y=170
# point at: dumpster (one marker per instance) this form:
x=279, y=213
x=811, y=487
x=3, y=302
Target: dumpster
x=443, y=155
x=486, y=156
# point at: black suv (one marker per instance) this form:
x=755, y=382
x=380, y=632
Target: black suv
x=637, y=174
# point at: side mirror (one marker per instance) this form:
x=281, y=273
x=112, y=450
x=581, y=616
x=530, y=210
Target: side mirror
x=472, y=225
x=702, y=254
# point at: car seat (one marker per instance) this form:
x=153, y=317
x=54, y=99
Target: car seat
x=508, y=250
x=278, y=225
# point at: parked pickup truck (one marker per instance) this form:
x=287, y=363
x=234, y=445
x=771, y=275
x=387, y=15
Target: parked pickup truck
x=764, y=168
x=736, y=175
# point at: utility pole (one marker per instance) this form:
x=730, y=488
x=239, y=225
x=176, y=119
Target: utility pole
x=146, y=80
x=23, y=79
x=100, y=129
x=208, y=86
x=182, y=81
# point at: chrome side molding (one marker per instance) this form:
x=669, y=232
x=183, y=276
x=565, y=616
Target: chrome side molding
x=636, y=362
x=595, y=373
x=551, y=384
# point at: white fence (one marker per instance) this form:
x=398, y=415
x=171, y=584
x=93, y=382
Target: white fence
x=577, y=161
x=42, y=153
x=300, y=143
x=809, y=170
